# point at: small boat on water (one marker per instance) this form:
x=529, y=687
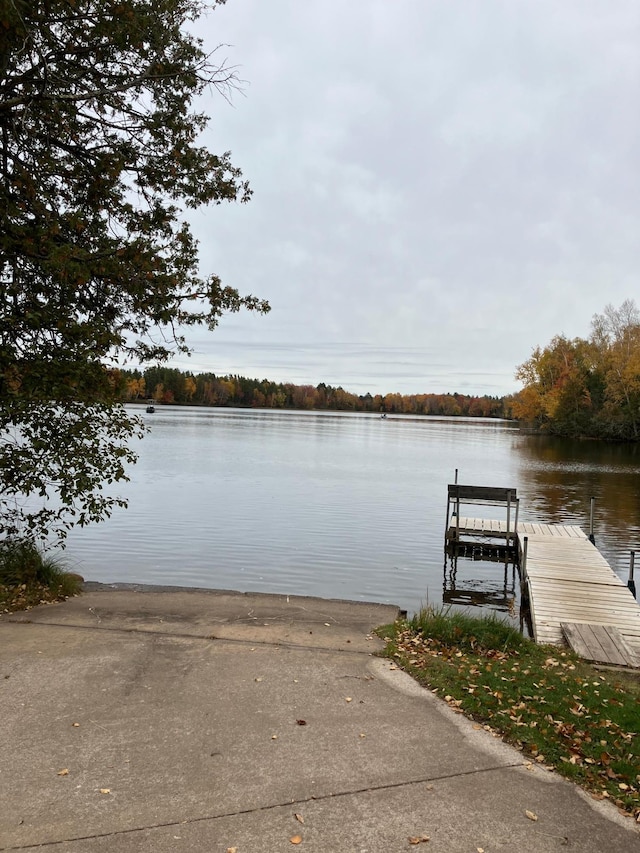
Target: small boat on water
x=150, y=410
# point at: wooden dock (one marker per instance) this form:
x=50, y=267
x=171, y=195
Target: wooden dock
x=574, y=595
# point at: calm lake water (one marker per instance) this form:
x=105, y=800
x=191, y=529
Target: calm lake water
x=343, y=505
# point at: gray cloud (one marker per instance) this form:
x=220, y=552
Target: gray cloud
x=443, y=184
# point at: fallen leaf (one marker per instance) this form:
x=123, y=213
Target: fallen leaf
x=232, y=850
x=298, y=817
x=531, y=815
x=480, y=849
x=64, y=772
x=258, y=679
x=297, y=839
x=328, y=624
x=105, y=790
x=274, y=737
x=75, y=725
x=301, y=722
x=418, y=839
x=348, y=699
x=362, y=734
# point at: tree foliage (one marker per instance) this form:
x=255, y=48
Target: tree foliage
x=587, y=387
x=99, y=157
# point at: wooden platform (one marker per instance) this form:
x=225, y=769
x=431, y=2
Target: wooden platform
x=571, y=583
x=468, y=529
x=600, y=644
x=574, y=594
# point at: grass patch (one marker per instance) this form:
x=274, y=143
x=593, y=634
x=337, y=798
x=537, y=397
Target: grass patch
x=28, y=577
x=559, y=710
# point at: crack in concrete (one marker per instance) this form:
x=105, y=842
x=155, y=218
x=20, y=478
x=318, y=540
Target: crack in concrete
x=202, y=638
x=266, y=808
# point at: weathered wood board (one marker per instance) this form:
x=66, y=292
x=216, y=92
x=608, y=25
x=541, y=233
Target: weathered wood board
x=599, y=643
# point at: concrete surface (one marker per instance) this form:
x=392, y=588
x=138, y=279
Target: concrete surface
x=206, y=721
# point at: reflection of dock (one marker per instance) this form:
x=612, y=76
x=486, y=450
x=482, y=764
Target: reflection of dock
x=479, y=593
x=574, y=595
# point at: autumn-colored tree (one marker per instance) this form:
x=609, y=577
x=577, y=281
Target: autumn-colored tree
x=586, y=387
x=98, y=160
x=616, y=339
x=189, y=388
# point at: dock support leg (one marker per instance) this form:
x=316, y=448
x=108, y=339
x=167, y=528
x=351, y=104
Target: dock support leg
x=446, y=527
x=631, y=582
x=592, y=538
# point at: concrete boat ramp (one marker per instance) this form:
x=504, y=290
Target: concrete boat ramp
x=140, y=720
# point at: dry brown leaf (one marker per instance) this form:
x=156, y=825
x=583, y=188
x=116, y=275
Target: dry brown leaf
x=297, y=839
x=480, y=849
x=418, y=839
x=64, y=772
x=301, y=722
x=348, y=699
x=75, y=725
x=298, y=817
x=105, y=790
x=232, y=850
x=531, y=815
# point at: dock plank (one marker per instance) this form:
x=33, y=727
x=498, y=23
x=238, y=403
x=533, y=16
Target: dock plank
x=599, y=643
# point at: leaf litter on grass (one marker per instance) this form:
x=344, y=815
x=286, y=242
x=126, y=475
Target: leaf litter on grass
x=558, y=710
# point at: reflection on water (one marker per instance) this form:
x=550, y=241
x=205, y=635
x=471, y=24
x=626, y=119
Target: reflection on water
x=341, y=505
x=557, y=478
x=471, y=579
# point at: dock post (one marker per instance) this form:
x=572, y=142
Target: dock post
x=515, y=528
x=631, y=582
x=592, y=538
x=525, y=545
x=446, y=527
x=508, y=517
x=456, y=478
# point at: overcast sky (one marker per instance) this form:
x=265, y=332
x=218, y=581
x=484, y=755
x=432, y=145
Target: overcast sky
x=439, y=186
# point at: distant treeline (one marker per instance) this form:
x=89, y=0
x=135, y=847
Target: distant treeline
x=170, y=385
